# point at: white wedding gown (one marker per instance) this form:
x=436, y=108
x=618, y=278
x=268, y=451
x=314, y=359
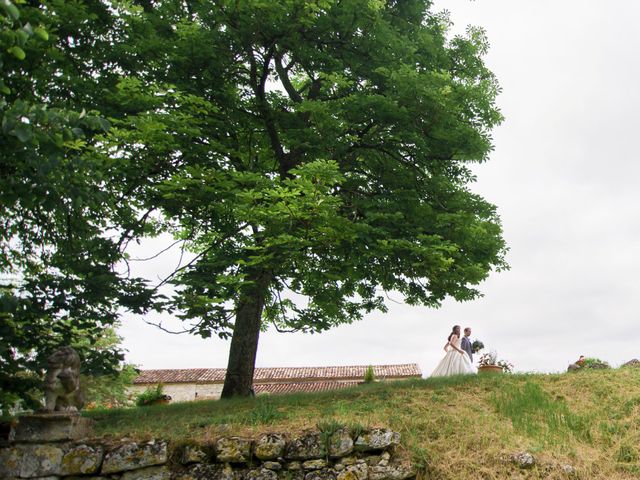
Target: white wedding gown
x=454, y=363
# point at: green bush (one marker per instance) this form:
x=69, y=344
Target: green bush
x=595, y=363
x=369, y=376
x=150, y=395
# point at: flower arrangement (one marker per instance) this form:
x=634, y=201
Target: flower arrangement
x=487, y=359
x=490, y=359
x=476, y=346
x=507, y=367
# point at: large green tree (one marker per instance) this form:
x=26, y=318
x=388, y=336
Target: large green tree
x=312, y=154
x=316, y=155
x=64, y=224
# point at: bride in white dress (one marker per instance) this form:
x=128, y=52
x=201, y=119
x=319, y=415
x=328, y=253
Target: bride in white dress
x=456, y=361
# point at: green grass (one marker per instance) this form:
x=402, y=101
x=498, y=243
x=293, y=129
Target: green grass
x=456, y=427
x=540, y=416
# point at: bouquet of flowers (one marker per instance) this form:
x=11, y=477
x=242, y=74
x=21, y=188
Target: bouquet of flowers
x=476, y=346
x=489, y=358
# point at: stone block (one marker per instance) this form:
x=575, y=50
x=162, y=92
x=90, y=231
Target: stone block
x=272, y=465
x=93, y=477
x=523, y=459
x=377, y=439
x=204, y=471
x=349, y=460
x=392, y=472
x=341, y=444
x=233, y=450
x=354, y=472
x=291, y=475
x=270, y=446
x=324, y=474
x=261, y=474
x=372, y=460
x=40, y=460
x=305, y=447
x=132, y=456
x=82, y=460
x=194, y=454
x=314, y=464
x=52, y=427
x=148, y=473
x=10, y=462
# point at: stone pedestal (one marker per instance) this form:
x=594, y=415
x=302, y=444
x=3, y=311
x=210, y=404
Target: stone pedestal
x=52, y=427
x=7, y=433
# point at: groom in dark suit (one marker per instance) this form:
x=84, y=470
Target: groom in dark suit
x=466, y=343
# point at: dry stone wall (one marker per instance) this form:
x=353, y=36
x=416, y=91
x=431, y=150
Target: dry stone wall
x=314, y=455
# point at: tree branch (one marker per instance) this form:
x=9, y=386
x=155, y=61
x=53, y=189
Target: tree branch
x=283, y=73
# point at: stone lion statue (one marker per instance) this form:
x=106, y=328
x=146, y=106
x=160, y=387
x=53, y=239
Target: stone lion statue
x=62, y=381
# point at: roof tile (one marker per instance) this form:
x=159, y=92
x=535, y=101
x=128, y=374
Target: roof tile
x=293, y=387
x=283, y=374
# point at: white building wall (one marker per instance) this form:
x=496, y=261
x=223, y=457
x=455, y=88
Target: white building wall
x=179, y=392
x=208, y=391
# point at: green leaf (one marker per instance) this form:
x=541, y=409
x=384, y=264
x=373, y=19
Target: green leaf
x=23, y=36
x=78, y=132
x=11, y=9
x=41, y=33
x=23, y=132
x=104, y=124
x=17, y=52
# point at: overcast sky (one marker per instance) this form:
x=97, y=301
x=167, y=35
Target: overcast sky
x=564, y=176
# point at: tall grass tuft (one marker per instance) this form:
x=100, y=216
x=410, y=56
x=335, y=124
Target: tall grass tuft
x=264, y=413
x=533, y=412
x=327, y=428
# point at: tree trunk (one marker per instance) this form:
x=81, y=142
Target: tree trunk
x=244, y=342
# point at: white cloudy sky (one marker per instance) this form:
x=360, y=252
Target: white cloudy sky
x=564, y=175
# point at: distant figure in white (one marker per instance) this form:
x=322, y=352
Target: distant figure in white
x=456, y=361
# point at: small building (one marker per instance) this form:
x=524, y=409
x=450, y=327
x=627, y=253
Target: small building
x=206, y=383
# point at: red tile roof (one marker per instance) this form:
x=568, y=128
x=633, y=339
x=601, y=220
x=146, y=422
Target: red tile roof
x=285, y=374
x=286, y=387
x=187, y=375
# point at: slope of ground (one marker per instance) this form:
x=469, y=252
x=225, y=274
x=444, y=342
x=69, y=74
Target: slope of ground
x=580, y=425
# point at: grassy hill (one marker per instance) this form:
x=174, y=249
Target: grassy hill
x=458, y=427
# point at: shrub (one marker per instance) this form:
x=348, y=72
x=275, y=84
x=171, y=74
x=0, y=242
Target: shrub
x=595, y=363
x=369, y=375
x=150, y=395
